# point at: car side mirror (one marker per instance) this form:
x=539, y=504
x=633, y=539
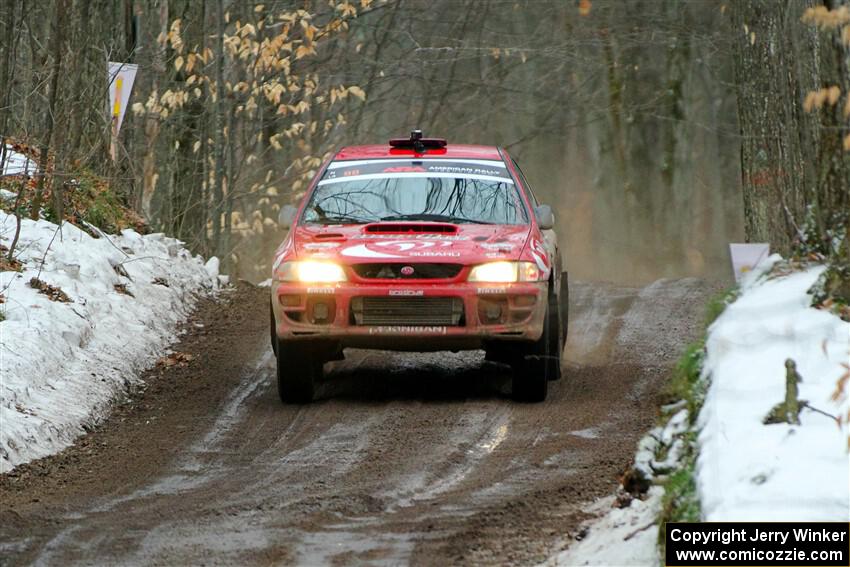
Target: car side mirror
x=545, y=217
x=286, y=216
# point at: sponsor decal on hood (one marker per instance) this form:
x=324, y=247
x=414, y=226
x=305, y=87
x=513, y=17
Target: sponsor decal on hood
x=469, y=245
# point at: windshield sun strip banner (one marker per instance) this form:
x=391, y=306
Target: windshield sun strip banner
x=352, y=163
x=416, y=174
x=483, y=169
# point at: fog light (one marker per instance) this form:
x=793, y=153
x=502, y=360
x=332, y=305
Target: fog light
x=494, y=311
x=320, y=312
x=290, y=300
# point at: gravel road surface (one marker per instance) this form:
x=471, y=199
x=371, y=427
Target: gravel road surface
x=418, y=459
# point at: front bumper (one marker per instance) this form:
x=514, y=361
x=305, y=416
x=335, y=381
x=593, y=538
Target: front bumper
x=483, y=313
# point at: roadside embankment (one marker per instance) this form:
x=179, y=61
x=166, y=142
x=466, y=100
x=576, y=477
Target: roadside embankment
x=82, y=314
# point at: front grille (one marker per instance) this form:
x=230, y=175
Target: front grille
x=400, y=271
x=408, y=311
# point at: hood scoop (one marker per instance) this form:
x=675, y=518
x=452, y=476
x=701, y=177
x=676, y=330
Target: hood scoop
x=329, y=236
x=410, y=228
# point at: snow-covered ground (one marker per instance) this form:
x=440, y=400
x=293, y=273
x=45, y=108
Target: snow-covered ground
x=748, y=471
x=62, y=365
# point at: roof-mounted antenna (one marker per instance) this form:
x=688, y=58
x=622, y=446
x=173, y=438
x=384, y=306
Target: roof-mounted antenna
x=417, y=142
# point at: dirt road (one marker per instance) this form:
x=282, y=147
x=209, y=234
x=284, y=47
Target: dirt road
x=419, y=459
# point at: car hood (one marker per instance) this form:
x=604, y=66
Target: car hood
x=410, y=242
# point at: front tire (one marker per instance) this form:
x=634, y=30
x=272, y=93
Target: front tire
x=297, y=373
x=541, y=361
x=554, y=330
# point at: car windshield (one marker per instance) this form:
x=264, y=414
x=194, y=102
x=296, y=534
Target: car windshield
x=391, y=191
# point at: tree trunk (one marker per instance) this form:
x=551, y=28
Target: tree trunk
x=833, y=175
x=218, y=191
x=11, y=39
x=795, y=169
x=773, y=159
x=56, y=50
x=152, y=120
x=79, y=109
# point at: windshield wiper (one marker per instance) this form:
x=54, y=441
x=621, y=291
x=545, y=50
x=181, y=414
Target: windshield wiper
x=340, y=219
x=433, y=217
x=336, y=218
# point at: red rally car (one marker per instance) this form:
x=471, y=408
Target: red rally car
x=419, y=245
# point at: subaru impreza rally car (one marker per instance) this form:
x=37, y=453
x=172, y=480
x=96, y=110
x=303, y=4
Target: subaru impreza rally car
x=418, y=245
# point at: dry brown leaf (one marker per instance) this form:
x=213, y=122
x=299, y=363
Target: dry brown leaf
x=179, y=359
x=52, y=292
x=833, y=94
x=809, y=102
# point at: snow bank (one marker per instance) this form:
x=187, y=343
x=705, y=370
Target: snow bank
x=63, y=364
x=621, y=536
x=628, y=536
x=747, y=471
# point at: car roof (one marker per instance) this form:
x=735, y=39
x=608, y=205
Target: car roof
x=376, y=151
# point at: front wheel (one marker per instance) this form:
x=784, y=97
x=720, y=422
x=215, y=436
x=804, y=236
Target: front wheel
x=541, y=361
x=297, y=373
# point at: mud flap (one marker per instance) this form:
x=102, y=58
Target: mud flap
x=564, y=304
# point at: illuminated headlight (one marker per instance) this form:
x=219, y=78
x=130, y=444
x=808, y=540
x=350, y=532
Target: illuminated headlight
x=311, y=271
x=505, y=272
